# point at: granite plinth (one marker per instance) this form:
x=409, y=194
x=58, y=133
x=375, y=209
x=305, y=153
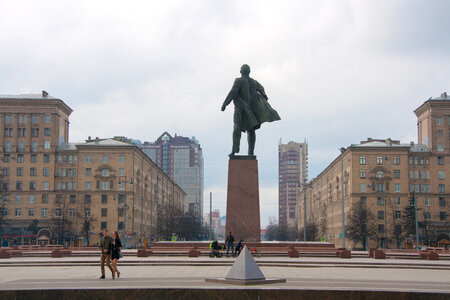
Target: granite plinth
x=243, y=199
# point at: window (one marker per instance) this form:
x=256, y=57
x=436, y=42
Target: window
x=397, y=201
x=6, y=158
x=362, y=174
x=417, y=188
x=427, y=215
x=47, y=145
x=121, y=186
x=442, y=215
x=121, y=172
x=427, y=174
x=46, y=158
x=380, y=201
x=70, y=159
x=33, y=158
x=8, y=146
x=397, y=174
x=46, y=131
x=104, y=199
x=105, y=173
x=64, y=158
x=398, y=215
x=19, y=171
x=47, y=119
x=87, y=199
x=380, y=187
x=362, y=160
x=440, y=160
x=18, y=212
x=104, y=212
x=21, y=147
x=427, y=201
x=44, y=212
x=20, y=158
x=441, y=188
x=31, y=212
x=35, y=132
x=396, y=160
x=441, y=201
x=18, y=198
x=58, y=212
x=381, y=215
x=21, y=132
x=105, y=159
x=379, y=160
x=72, y=212
x=32, y=185
x=441, y=174
x=34, y=119
x=439, y=133
x=103, y=225
x=19, y=185
x=88, y=158
x=105, y=185
x=8, y=132
x=73, y=199
x=362, y=187
x=58, y=199
x=87, y=185
x=397, y=188
x=87, y=212
x=440, y=147
x=44, y=198
x=122, y=159
x=88, y=171
x=5, y=198
x=427, y=161
x=379, y=174
x=32, y=199
x=33, y=172
x=380, y=228
x=422, y=174
x=5, y=172
x=3, y=211
x=416, y=174
x=439, y=121
x=422, y=188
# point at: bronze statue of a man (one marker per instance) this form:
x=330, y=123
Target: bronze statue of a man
x=251, y=109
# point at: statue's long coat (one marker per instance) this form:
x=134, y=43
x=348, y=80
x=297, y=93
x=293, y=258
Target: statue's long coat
x=251, y=108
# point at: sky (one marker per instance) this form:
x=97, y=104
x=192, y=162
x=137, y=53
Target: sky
x=337, y=72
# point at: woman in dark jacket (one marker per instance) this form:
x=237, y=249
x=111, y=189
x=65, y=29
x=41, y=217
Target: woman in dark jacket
x=115, y=253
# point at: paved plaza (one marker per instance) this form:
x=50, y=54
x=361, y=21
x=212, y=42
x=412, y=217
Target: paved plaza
x=306, y=273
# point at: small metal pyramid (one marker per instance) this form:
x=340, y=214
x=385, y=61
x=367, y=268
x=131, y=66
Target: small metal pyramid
x=245, y=267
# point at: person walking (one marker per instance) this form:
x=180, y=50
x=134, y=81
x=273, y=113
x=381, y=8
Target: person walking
x=105, y=248
x=116, y=252
x=230, y=243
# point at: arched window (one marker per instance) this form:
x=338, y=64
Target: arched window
x=380, y=174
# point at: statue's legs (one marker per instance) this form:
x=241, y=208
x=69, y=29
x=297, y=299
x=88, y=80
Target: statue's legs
x=236, y=140
x=251, y=137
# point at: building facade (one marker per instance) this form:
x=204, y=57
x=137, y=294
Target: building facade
x=75, y=190
x=181, y=158
x=384, y=175
x=217, y=229
x=292, y=173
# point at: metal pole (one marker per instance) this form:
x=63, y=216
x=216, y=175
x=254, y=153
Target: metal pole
x=385, y=225
x=304, y=212
x=342, y=188
x=417, y=221
x=210, y=215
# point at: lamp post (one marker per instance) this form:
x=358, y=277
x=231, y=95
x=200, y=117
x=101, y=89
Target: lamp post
x=124, y=206
x=342, y=149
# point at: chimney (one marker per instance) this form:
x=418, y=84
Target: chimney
x=444, y=95
x=44, y=94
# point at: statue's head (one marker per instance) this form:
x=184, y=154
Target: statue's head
x=245, y=69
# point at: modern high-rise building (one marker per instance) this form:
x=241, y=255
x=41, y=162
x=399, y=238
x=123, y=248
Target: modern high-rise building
x=292, y=173
x=385, y=176
x=181, y=158
x=74, y=190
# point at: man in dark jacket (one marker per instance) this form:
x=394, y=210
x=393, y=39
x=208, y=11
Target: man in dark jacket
x=105, y=248
x=230, y=243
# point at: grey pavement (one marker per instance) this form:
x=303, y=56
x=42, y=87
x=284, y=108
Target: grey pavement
x=306, y=273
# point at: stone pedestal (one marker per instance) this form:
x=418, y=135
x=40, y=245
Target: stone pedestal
x=243, y=199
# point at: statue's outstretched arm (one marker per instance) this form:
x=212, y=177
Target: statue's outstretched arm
x=232, y=94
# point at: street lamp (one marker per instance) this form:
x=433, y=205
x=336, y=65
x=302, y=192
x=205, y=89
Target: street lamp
x=342, y=149
x=122, y=204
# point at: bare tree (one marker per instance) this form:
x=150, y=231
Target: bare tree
x=87, y=220
x=62, y=221
x=361, y=224
x=312, y=231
